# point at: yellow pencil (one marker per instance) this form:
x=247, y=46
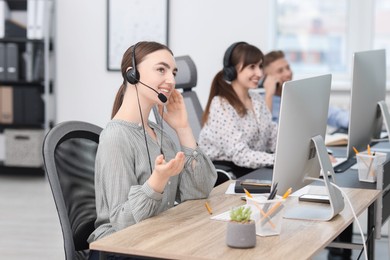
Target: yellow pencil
x=277, y=205
x=354, y=148
x=208, y=208
x=258, y=207
x=368, y=149
x=248, y=193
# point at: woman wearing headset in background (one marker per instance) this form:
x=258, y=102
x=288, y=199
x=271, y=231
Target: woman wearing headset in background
x=237, y=125
x=138, y=172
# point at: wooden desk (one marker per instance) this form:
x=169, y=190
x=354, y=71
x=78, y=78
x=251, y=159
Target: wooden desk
x=187, y=232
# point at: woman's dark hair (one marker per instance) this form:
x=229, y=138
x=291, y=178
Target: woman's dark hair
x=245, y=53
x=143, y=49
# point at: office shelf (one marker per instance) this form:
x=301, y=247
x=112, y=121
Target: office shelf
x=31, y=88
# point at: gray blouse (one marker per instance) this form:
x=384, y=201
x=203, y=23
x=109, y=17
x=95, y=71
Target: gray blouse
x=123, y=196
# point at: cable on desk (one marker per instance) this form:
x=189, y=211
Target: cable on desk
x=353, y=211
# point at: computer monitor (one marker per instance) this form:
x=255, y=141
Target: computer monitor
x=303, y=117
x=368, y=88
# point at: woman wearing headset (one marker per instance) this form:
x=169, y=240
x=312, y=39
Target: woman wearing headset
x=237, y=126
x=138, y=172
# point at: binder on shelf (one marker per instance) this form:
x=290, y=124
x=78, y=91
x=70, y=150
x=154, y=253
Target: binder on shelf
x=39, y=19
x=38, y=64
x=33, y=106
x=18, y=105
x=2, y=61
x=31, y=18
x=28, y=106
x=1, y=105
x=6, y=103
x=28, y=61
x=2, y=147
x=4, y=16
x=12, y=62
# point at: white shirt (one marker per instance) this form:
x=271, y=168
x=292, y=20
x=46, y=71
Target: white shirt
x=247, y=141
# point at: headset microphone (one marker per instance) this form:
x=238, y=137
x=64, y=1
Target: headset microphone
x=160, y=96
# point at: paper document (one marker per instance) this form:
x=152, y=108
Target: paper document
x=336, y=139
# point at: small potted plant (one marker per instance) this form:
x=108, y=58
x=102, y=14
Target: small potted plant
x=241, y=229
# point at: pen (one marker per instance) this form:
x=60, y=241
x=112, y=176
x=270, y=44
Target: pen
x=208, y=208
x=273, y=192
x=258, y=207
x=271, y=196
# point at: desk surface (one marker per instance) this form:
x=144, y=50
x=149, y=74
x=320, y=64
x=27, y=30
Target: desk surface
x=187, y=232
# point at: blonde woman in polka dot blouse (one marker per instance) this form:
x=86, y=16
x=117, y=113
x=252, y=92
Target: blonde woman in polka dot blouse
x=237, y=125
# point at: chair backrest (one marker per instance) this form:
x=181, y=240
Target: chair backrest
x=69, y=151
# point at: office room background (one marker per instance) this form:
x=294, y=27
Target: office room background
x=329, y=33
x=85, y=89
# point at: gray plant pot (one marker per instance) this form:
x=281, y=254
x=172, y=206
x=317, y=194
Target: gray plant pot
x=241, y=235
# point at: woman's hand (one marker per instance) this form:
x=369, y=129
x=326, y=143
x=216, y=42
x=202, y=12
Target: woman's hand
x=176, y=113
x=163, y=170
x=270, y=85
x=270, y=90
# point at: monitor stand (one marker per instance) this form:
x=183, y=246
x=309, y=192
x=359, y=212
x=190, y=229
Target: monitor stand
x=320, y=211
x=386, y=116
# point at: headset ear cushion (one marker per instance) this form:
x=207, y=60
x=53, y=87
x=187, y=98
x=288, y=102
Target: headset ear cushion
x=132, y=76
x=229, y=73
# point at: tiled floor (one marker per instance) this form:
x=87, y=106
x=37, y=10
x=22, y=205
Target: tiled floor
x=30, y=228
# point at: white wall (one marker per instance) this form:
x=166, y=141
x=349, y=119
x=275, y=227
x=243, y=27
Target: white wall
x=86, y=90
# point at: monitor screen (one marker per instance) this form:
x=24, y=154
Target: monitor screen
x=303, y=115
x=368, y=87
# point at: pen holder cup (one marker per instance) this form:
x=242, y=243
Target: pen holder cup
x=369, y=166
x=268, y=215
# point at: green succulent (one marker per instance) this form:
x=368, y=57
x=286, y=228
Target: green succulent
x=241, y=214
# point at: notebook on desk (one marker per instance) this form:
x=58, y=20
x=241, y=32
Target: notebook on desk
x=253, y=186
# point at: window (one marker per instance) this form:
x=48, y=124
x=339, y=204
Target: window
x=381, y=27
x=312, y=33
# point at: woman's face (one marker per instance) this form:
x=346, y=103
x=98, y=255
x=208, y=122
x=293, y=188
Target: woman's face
x=158, y=70
x=249, y=76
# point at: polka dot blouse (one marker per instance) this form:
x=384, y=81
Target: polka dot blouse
x=247, y=141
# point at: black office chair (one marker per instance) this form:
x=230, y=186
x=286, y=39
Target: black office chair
x=186, y=80
x=69, y=151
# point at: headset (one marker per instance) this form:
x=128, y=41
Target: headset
x=229, y=71
x=133, y=76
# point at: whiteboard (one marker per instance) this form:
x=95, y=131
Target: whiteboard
x=131, y=21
